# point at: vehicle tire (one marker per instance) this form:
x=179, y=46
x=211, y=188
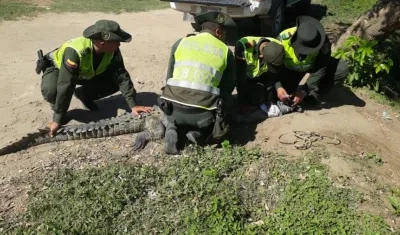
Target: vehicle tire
x=303, y=7
x=273, y=26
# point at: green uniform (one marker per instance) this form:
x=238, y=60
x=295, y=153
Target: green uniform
x=75, y=63
x=201, y=99
x=325, y=71
x=255, y=82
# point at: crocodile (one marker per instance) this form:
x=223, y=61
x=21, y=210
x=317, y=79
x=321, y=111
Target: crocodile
x=148, y=126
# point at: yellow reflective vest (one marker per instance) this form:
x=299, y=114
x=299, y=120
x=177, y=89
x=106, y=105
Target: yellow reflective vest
x=200, y=62
x=291, y=61
x=255, y=66
x=84, y=48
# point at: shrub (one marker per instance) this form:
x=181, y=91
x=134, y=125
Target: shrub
x=368, y=66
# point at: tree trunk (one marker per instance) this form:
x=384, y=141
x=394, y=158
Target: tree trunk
x=375, y=24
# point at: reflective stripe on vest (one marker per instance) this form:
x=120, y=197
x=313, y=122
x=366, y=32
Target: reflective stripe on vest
x=199, y=63
x=255, y=66
x=84, y=48
x=291, y=61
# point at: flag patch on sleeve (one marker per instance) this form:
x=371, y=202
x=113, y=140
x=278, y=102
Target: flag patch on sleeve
x=71, y=64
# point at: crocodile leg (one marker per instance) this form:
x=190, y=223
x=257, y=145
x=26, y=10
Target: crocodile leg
x=153, y=130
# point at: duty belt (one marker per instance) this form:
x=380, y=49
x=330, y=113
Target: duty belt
x=187, y=109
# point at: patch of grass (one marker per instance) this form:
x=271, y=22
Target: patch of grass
x=114, y=6
x=229, y=191
x=380, y=98
x=343, y=11
x=12, y=10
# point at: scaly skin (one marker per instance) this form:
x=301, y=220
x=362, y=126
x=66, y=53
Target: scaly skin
x=149, y=126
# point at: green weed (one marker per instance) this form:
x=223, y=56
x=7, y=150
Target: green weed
x=115, y=6
x=232, y=191
x=11, y=10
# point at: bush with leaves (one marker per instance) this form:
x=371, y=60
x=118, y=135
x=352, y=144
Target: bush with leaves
x=368, y=66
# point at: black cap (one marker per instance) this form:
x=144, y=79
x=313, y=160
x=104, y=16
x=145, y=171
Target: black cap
x=107, y=30
x=215, y=17
x=273, y=53
x=309, y=36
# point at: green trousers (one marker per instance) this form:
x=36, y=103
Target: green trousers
x=336, y=73
x=202, y=121
x=98, y=87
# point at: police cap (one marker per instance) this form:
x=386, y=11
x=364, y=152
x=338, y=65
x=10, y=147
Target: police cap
x=107, y=30
x=215, y=17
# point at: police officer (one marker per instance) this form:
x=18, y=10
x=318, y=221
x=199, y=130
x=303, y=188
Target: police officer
x=200, y=80
x=93, y=61
x=308, y=50
x=258, y=62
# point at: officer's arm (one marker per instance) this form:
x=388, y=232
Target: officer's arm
x=241, y=66
x=319, y=70
x=228, y=79
x=66, y=83
x=171, y=61
x=277, y=76
x=123, y=79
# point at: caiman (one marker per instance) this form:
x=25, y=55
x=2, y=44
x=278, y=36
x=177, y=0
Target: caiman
x=148, y=126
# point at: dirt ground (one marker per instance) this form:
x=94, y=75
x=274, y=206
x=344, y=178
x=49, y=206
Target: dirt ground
x=356, y=122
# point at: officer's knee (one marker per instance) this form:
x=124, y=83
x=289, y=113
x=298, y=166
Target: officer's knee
x=49, y=85
x=49, y=92
x=342, y=71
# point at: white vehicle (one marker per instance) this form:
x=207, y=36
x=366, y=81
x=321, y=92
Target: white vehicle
x=264, y=16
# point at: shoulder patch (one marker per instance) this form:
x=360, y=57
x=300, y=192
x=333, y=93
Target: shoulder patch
x=71, y=64
x=285, y=36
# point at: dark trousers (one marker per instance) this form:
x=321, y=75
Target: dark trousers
x=98, y=87
x=336, y=73
x=196, y=119
x=260, y=90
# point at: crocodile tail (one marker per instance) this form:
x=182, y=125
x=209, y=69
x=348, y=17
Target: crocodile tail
x=25, y=142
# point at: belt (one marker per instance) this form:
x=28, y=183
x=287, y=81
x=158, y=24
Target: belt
x=187, y=109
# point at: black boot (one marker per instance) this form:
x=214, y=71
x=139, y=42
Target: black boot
x=79, y=93
x=171, y=139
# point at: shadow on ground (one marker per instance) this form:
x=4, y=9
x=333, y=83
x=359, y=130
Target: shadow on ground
x=338, y=97
x=109, y=106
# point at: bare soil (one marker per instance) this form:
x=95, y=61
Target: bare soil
x=355, y=120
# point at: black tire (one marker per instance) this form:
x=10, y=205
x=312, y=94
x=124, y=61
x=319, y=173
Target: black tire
x=303, y=7
x=272, y=27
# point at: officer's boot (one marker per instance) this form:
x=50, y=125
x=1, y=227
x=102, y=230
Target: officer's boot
x=171, y=139
x=196, y=137
x=79, y=93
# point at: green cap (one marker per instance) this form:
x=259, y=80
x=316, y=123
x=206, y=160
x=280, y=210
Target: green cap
x=273, y=53
x=107, y=30
x=215, y=17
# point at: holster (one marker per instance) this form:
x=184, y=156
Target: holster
x=221, y=126
x=42, y=62
x=165, y=105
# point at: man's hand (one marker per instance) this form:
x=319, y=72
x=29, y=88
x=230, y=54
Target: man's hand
x=53, y=128
x=282, y=95
x=298, y=97
x=137, y=109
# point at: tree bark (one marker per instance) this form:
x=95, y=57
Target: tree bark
x=375, y=24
